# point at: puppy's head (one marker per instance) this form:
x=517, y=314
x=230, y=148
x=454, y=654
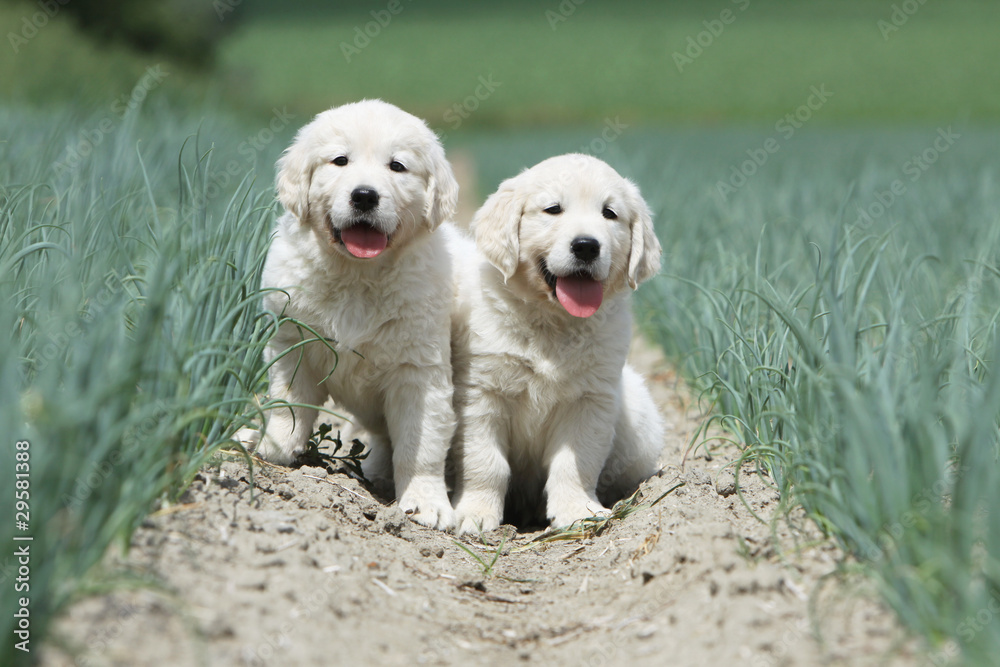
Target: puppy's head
x=569, y=230
x=366, y=177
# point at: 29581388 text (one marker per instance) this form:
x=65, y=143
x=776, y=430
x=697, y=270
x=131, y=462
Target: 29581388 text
x=22, y=543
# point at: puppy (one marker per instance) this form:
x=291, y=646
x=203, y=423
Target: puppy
x=365, y=284
x=542, y=326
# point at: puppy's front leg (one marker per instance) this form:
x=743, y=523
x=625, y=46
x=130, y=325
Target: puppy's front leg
x=482, y=469
x=421, y=421
x=579, y=445
x=291, y=380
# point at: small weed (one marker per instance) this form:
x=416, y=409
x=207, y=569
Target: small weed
x=487, y=568
x=313, y=456
x=595, y=525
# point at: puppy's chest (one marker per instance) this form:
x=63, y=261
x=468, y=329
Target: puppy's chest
x=537, y=380
x=374, y=333
x=353, y=319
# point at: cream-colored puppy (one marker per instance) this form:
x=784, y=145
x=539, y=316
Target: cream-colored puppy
x=542, y=327
x=356, y=260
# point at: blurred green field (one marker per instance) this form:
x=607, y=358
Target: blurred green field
x=618, y=60
x=837, y=305
x=604, y=60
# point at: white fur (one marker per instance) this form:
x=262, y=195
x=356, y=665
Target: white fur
x=545, y=400
x=387, y=317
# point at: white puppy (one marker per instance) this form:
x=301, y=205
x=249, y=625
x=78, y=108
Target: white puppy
x=542, y=328
x=355, y=260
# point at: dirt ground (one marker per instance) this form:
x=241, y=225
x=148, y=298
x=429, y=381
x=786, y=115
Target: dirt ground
x=310, y=568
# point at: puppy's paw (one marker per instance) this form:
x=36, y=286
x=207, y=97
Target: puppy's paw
x=565, y=513
x=277, y=452
x=428, y=505
x=474, y=518
x=248, y=437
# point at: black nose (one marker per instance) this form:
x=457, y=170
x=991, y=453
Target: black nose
x=585, y=248
x=364, y=198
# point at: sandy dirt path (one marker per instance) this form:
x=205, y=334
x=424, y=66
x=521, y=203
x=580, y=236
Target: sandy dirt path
x=315, y=570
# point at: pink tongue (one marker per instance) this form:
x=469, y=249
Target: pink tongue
x=363, y=241
x=581, y=297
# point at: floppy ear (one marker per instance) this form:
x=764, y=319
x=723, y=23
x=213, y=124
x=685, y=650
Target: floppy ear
x=644, y=256
x=295, y=168
x=497, y=226
x=442, y=190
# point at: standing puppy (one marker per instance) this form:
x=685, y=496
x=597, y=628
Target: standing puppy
x=546, y=402
x=355, y=260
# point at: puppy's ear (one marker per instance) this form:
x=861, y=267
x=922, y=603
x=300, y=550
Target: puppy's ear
x=442, y=189
x=295, y=169
x=497, y=225
x=644, y=256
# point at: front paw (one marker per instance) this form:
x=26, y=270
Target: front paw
x=427, y=504
x=248, y=438
x=276, y=451
x=477, y=517
x=565, y=513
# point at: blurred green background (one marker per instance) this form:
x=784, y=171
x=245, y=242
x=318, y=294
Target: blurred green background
x=471, y=69
x=686, y=62
x=843, y=331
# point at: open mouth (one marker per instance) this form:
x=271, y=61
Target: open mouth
x=579, y=293
x=361, y=239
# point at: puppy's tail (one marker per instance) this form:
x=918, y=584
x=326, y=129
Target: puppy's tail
x=639, y=439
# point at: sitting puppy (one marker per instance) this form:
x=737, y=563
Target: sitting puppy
x=541, y=331
x=355, y=262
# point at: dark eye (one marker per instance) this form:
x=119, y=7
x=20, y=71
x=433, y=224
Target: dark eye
x=340, y=160
x=555, y=209
x=609, y=213
x=396, y=165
